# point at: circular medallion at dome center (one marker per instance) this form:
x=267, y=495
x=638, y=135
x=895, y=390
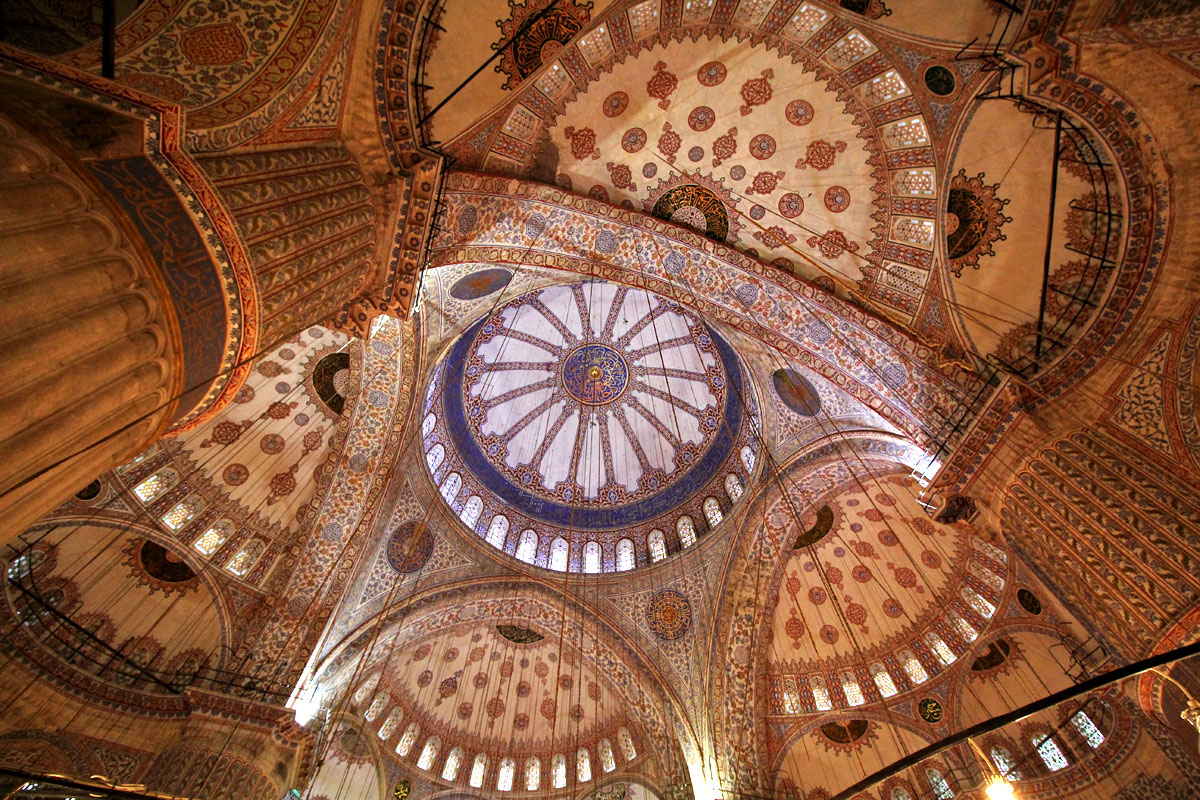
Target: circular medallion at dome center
x=595, y=374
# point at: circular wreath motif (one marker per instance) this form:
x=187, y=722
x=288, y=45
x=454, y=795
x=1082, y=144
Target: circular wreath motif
x=799, y=112
x=702, y=118
x=791, y=205
x=711, y=73
x=633, y=140
x=615, y=104
x=409, y=547
x=669, y=614
x=837, y=198
x=762, y=146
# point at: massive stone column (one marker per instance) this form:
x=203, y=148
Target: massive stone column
x=90, y=355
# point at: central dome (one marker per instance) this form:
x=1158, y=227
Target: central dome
x=585, y=409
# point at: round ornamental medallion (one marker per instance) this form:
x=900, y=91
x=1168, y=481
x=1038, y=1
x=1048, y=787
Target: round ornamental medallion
x=930, y=710
x=479, y=284
x=669, y=614
x=762, y=146
x=799, y=112
x=595, y=374
x=1029, y=601
x=633, y=140
x=701, y=118
x=409, y=547
x=615, y=104
x=711, y=73
x=791, y=205
x=837, y=198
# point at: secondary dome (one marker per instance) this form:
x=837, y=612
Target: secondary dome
x=589, y=427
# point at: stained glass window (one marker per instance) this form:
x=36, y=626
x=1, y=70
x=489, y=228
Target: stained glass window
x=906, y=133
x=604, y=750
x=558, y=554
x=852, y=690
x=806, y=21
x=429, y=752
x=211, y=540
x=364, y=691
x=900, y=793
x=478, y=771
x=583, y=765
x=389, y=726
x=820, y=693
x=136, y=460
x=712, y=512
x=184, y=512
x=405, y=745
x=686, y=531
x=748, y=459
x=453, y=762
x=987, y=576
x=990, y=549
x=533, y=774
x=1049, y=750
x=155, y=485
x=427, y=424
x=941, y=789
x=558, y=771
x=527, y=546
x=375, y=708
x=916, y=672
x=733, y=487
x=981, y=606
x=1087, y=729
x=591, y=557
x=435, y=457
x=23, y=566
x=624, y=555
x=885, y=87
x=883, y=680
x=241, y=563
x=504, y=777
x=497, y=532
x=791, y=697
x=626, y=742
x=471, y=511
x=939, y=648
x=657, y=544
x=964, y=628
x=1004, y=763
x=451, y=487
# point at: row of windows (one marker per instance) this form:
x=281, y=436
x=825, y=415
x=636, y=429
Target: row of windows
x=211, y=540
x=506, y=769
x=1048, y=749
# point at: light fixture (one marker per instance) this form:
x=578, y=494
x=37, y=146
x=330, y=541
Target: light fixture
x=999, y=789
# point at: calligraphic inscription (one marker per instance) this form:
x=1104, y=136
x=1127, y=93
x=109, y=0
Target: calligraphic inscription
x=594, y=374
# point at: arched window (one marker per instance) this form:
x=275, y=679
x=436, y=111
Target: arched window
x=478, y=771
x=497, y=532
x=791, y=697
x=24, y=565
x=558, y=554
x=939, y=648
x=604, y=750
x=628, y=751
x=852, y=690
x=583, y=765
x=1087, y=729
x=591, y=557
x=435, y=457
x=820, y=693
x=624, y=555
x=916, y=672
x=1048, y=749
x=686, y=531
x=656, y=543
x=990, y=549
x=527, y=546
x=533, y=774
x=987, y=576
x=964, y=628
x=941, y=789
x=504, y=778
x=471, y=511
x=429, y=752
x=453, y=762
x=451, y=487
x=900, y=793
x=733, y=487
x=155, y=485
x=427, y=424
x=183, y=512
x=376, y=708
x=883, y=680
x=241, y=563
x=390, y=724
x=1004, y=763
x=211, y=540
x=364, y=690
x=558, y=771
x=712, y=512
x=405, y=745
x=981, y=606
x=748, y=459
